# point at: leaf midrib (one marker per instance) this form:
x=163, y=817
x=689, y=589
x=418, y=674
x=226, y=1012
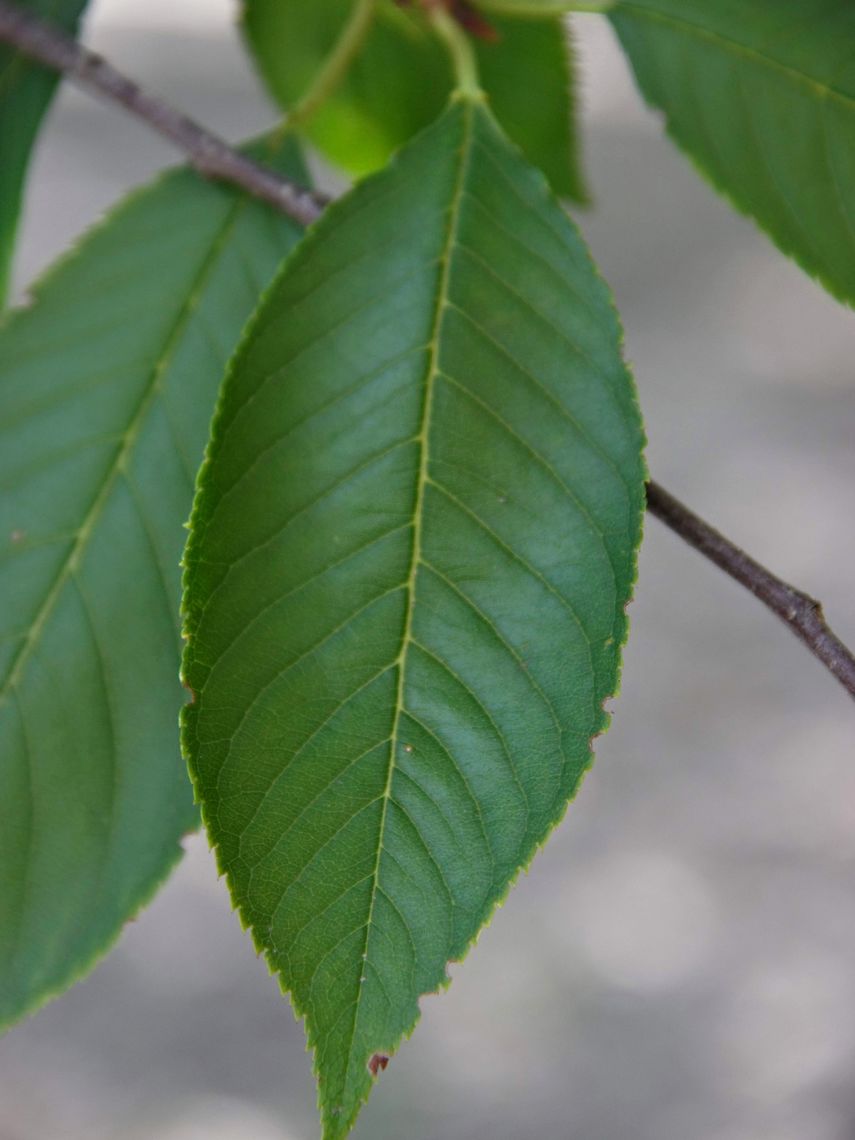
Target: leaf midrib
x=129, y=438
x=432, y=372
x=740, y=50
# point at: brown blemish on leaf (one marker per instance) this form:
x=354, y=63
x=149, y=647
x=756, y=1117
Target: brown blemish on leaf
x=377, y=1064
x=16, y=537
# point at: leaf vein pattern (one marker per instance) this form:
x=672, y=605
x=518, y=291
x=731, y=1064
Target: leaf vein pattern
x=359, y=310
x=538, y=385
x=307, y=653
x=361, y=467
x=130, y=436
x=515, y=557
x=540, y=460
x=168, y=598
x=295, y=882
x=498, y=635
x=342, y=394
x=742, y=51
x=423, y=843
x=571, y=345
x=373, y=791
x=315, y=576
x=318, y=916
x=443, y=665
x=450, y=757
x=529, y=253
x=282, y=840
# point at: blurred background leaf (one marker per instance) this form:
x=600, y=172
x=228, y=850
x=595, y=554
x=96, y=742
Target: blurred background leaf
x=761, y=95
x=26, y=91
x=399, y=81
x=107, y=383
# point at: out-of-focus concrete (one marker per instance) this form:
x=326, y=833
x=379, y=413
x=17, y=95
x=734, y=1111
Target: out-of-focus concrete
x=680, y=962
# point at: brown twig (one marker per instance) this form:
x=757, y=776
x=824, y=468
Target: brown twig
x=802, y=613
x=213, y=158
x=207, y=153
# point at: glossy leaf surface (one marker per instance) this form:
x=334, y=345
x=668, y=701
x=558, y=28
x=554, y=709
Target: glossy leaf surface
x=108, y=384
x=25, y=94
x=400, y=79
x=411, y=550
x=761, y=94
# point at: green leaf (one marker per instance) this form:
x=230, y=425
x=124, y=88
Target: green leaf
x=26, y=91
x=535, y=9
x=108, y=384
x=761, y=94
x=411, y=549
x=401, y=78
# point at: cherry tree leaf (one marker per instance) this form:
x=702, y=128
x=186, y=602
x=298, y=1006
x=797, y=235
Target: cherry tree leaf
x=108, y=384
x=761, y=94
x=26, y=91
x=411, y=550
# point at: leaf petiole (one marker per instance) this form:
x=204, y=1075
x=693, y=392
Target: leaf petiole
x=460, y=49
x=336, y=65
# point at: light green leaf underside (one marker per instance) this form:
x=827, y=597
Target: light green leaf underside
x=761, y=93
x=401, y=78
x=25, y=94
x=108, y=384
x=410, y=553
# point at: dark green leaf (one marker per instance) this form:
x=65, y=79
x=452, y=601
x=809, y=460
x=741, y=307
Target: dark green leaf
x=108, y=383
x=401, y=78
x=25, y=94
x=761, y=94
x=410, y=553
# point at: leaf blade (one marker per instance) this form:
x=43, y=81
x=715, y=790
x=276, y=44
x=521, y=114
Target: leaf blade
x=26, y=92
x=108, y=384
x=354, y=573
x=761, y=96
x=543, y=9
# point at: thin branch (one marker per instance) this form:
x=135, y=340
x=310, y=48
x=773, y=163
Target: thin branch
x=208, y=154
x=213, y=158
x=802, y=613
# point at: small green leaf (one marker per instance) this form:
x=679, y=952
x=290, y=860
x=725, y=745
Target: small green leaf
x=108, y=383
x=26, y=91
x=400, y=80
x=761, y=94
x=410, y=553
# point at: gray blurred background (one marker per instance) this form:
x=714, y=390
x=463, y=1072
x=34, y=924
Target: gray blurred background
x=679, y=964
